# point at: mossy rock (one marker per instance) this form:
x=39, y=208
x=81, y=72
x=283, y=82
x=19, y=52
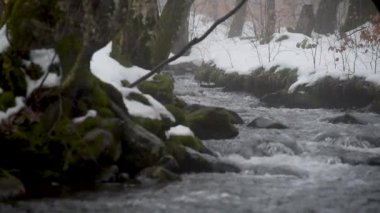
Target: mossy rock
x=157, y=174
x=139, y=98
x=141, y=149
x=191, y=161
x=161, y=88
x=12, y=78
x=10, y=186
x=211, y=123
x=7, y=100
x=188, y=141
x=155, y=126
x=178, y=113
x=233, y=116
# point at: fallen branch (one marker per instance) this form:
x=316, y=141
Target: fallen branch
x=193, y=42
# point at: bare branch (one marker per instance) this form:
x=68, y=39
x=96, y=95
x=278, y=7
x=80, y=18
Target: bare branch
x=193, y=42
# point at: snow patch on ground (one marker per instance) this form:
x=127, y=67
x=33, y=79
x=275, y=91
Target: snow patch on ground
x=89, y=114
x=179, y=131
x=109, y=70
x=44, y=58
x=10, y=111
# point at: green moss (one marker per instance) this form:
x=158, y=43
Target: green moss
x=155, y=126
x=7, y=100
x=178, y=113
x=161, y=88
x=139, y=98
x=12, y=78
x=125, y=83
x=211, y=123
x=188, y=141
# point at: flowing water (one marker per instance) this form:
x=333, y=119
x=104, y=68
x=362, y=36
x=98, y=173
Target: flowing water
x=313, y=166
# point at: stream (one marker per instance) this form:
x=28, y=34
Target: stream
x=313, y=166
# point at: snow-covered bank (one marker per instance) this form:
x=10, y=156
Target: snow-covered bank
x=314, y=58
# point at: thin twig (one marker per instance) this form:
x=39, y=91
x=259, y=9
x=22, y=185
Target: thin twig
x=193, y=42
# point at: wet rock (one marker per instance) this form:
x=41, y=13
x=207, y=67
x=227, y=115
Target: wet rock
x=141, y=149
x=235, y=117
x=157, y=174
x=375, y=161
x=191, y=161
x=10, y=186
x=270, y=149
x=182, y=68
x=108, y=174
x=345, y=119
x=169, y=162
x=266, y=123
x=212, y=123
x=108, y=148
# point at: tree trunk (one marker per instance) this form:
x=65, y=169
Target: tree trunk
x=182, y=35
x=131, y=46
x=237, y=25
x=270, y=21
x=165, y=32
x=305, y=24
x=359, y=12
x=326, y=18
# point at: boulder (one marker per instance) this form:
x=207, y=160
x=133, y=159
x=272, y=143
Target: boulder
x=266, y=123
x=235, y=117
x=10, y=186
x=345, y=119
x=140, y=149
x=157, y=174
x=211, y=123
x=191, y=161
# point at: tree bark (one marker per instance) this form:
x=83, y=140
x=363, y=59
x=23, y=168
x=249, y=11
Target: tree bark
x=168, y=26
x=326, y=18
x=237, y=25
x=182, y=35
x=305, y=24
x=270, y=20
x=131, y=46
x=359, y=12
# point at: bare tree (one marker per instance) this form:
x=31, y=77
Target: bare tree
x=237, y=25
x=270, y=21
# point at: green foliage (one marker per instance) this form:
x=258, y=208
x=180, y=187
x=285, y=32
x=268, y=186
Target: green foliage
x=306, y=44
x=7, y=100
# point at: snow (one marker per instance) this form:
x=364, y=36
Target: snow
x=246, y=55
x=179, y=131
x=89, y=114
x=109, y=70
x=44, y=58
x=4, y=43
x=10, y=111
